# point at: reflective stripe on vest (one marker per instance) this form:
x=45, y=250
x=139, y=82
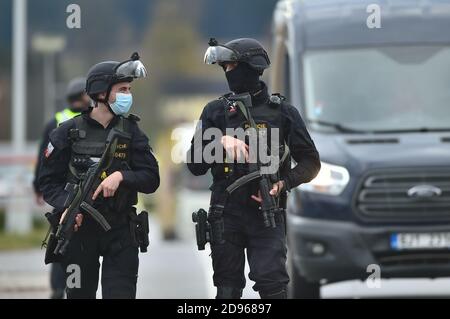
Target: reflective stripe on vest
x=65, y=115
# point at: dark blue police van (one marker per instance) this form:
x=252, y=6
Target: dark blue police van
x=371, y=79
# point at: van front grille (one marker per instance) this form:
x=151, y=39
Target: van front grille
x=413, y=258
x=411, y=195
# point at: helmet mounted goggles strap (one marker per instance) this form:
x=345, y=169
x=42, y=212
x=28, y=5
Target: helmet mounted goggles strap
x=134, y=57
x=98, y=78
x=241, y=56
x=108, y=91
x=255, y=52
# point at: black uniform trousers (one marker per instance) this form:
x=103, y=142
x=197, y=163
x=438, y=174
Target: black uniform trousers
x=119, y=267
x=266, y=252
x=57, y=277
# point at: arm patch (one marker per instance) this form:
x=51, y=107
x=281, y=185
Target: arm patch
x=49, y=150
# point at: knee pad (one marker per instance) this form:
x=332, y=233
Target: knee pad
x=228, y=293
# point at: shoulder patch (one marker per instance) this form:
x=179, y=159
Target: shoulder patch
x=276, y=99
x=224, y=97
x=49, y=150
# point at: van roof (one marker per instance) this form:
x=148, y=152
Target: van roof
x=343, y=23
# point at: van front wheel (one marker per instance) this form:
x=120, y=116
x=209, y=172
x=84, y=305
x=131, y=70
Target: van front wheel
x=300, y=287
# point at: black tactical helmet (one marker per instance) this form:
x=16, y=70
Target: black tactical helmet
x=245, y=50
x=76, y=88
x=102, y=76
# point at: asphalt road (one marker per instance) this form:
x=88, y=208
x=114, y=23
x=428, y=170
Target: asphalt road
x=177, y=270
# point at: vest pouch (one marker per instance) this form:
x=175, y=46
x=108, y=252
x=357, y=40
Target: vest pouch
x=139, y=229
x=50, y=241
x=50, y=247
x=93, y=149
x=81, y=162
x=83, y=152
x=217, y=189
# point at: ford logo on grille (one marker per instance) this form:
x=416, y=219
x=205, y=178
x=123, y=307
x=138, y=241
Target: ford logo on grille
x=424, y=191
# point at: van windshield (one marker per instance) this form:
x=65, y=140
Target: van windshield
x=379, y=89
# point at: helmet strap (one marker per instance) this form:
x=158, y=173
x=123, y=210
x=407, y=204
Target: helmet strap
x=108, y=93
x=110, y=109
x=105, y=100
x=106, y=103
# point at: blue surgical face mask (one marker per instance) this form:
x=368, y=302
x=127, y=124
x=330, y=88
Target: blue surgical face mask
x=123, y=103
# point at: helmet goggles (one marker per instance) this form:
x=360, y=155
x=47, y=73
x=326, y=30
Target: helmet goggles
x=219, y=54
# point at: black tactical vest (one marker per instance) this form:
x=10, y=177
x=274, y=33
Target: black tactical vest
x=88, y=144
x=266, y=117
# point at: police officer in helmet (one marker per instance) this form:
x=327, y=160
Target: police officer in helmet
x=77, y=101
x=74, y=147
x=244, y=231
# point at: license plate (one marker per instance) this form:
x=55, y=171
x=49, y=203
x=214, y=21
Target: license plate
x=420, y=241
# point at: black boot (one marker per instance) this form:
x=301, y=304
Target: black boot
x=57, y=294
x=274, y=294
x=228, y=293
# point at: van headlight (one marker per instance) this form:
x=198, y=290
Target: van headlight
x=331, y=180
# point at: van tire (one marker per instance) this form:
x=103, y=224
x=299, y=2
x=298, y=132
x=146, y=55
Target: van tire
x=299, y=287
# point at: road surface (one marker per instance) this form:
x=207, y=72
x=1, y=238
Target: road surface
x=177, y=270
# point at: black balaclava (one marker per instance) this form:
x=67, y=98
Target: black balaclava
x=243, y=79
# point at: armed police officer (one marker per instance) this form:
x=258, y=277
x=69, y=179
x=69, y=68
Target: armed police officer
x=77, y=101
x=238, y=217
x=76, y=146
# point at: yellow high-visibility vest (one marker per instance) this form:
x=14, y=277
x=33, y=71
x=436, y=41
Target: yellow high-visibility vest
x=64, y=115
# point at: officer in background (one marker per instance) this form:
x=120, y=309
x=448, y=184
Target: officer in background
x=77, y=101
x=244, y=61
x=76, y=145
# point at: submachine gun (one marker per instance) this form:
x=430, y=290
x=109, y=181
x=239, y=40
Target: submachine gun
x=79, y=198
x=209, y=226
